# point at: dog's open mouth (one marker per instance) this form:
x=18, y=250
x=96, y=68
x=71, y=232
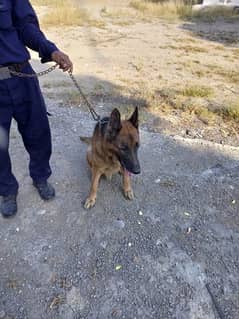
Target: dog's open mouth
x=128, y=172
x=125, y=169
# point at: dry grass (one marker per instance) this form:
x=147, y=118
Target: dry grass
x=211, y=14
x=122, y=17
x=49, y=3
x=191, y=101
x=193, y=49
x=186, y=48
x=66, y=13
x=236, y=53
x=167, y=9
x=231, y=76
x=178, y=9
x=230, y=111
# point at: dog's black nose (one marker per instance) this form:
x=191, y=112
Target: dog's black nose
x=136, y=170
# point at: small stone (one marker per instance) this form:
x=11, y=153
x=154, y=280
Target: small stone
x=139, y=222
x=118, y=267
x=103, y=244
x=41, y=212
x=233, y=202
x=129, y=244
x=140, y=213
x=17, y=229
x=186, y=214
x=158, y=242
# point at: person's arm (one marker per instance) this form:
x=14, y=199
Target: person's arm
x=26, y=22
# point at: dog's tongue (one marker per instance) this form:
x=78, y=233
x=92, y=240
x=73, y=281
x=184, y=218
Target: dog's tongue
x=127, y=172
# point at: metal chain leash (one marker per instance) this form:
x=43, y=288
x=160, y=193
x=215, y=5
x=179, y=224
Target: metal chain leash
x=95, y=116
x=34, y=75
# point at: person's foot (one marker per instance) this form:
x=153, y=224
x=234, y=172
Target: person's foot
x=8, y=206
x=45, y=190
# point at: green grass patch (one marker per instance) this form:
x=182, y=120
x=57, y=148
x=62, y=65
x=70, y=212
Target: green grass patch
x=197, y=91
x=230, y=112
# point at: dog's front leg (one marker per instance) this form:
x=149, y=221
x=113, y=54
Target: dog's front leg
x=128, y=192
x=90, y=201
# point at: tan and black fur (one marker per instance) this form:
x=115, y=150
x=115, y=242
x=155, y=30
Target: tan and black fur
x=113, y=149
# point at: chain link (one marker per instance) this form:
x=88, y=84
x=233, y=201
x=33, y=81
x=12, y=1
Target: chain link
x=95, y=116
x=33, y=75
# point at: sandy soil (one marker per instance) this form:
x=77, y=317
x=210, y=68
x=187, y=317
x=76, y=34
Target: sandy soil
x=150, y=64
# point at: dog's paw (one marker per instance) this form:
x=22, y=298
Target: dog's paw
x=89, y=203
x=129, y=194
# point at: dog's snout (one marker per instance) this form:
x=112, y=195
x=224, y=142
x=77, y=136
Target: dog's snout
x=136, y=170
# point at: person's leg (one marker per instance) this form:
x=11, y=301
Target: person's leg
x=33, y=125
x=8, y=182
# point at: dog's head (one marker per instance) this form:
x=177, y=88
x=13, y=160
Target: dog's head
x=124, y=137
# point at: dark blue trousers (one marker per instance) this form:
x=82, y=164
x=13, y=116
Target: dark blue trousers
x=21, y=99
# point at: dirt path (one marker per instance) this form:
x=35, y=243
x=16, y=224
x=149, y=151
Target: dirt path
x=149, y=258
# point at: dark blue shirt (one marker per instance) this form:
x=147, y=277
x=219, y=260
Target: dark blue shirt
x=19, y=28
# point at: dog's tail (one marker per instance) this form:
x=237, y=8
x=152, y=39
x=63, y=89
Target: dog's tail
x=85, y=139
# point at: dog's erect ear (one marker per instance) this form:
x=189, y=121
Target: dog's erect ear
x=114, y=125
x=134, y=119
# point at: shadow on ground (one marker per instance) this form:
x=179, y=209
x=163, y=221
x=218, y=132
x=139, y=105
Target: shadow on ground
x=220, y=31
x=149, y=258
x=105, y=96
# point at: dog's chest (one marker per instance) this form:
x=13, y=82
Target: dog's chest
x=111, y=167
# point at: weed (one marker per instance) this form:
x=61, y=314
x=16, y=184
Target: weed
x=197, y=91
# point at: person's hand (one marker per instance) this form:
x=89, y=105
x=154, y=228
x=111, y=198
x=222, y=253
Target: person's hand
x=63, y=60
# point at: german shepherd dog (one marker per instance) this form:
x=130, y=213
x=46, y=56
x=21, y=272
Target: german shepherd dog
x=113, y=149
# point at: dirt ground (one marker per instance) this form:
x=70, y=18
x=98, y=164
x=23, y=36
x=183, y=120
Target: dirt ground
x=173, y=252
x=130, y=61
